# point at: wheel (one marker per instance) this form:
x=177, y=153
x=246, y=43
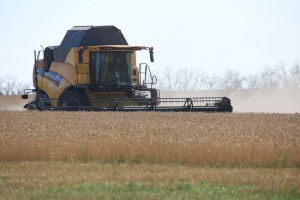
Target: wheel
x=71, y=98
x=46, y=99
x=40, y=102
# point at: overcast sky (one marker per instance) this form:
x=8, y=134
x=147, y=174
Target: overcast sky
x=209, y=35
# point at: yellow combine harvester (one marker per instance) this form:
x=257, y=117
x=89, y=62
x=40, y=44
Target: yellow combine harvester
x=95, y=69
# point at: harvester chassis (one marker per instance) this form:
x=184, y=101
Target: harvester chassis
x=94, y=69
x=208, y=104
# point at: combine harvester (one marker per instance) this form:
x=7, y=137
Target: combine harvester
x=94, y=69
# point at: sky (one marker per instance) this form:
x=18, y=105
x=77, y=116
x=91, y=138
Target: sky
x=207, y=35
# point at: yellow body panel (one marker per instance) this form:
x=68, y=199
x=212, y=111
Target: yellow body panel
x=71, y=72
x=83, y=73
x=104, y=95
x=48, y=85
x=135, y=75
x=71, y=57
x=67, y=71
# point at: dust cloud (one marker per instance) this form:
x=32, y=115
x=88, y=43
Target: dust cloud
x=12, y=102
x=256, y=100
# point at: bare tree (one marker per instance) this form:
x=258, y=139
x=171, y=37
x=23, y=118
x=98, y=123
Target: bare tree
x=295, y=75
x=269, y=78
x=1, y=86
x=282, y=75
x=252, y=81
x=177, y=79
x=198, y=81
x=212, y=81
x=171, y=79
x=20, y=87
x=10, y=83
x=187, y=79
x=167, y=76
x=161, y=84
x=231, y=80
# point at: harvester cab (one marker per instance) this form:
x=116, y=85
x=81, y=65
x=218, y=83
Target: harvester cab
x=94, y=68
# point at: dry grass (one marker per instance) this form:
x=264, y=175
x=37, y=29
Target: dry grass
x=195, y=139
x=148, y=155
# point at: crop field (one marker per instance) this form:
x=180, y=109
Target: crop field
x=149, y=155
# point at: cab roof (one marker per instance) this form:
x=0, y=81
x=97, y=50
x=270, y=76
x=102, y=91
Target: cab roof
x=92, y=36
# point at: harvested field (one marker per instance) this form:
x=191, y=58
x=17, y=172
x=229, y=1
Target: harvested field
x=198, y=139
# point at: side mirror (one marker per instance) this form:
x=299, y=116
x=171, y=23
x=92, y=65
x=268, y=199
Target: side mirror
x=48, y=58
x=151, y=54
x=24, y=96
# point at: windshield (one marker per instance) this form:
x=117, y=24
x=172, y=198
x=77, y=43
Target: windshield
x=111, y=68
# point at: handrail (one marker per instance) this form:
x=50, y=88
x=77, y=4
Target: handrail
x=147, y=69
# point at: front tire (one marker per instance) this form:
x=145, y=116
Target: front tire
x=70, y=99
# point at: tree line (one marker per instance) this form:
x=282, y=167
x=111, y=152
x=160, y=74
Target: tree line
x=9, y=85
x=278, y=76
